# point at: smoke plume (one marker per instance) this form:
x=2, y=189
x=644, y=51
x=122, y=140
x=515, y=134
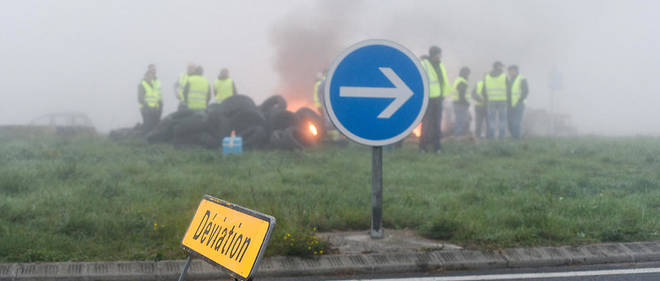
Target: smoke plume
x=305, y=43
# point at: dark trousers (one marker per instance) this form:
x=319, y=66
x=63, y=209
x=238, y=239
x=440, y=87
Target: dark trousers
x=432, y=126
x=150, y=118
x=515, y=120
x=461, y=113
x=497, y=118
x=480, y=119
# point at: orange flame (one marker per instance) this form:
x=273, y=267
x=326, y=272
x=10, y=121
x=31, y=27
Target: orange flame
x=313, y=130
x=418, y=131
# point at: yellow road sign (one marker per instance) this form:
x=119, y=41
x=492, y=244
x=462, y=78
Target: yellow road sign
x=228, y=236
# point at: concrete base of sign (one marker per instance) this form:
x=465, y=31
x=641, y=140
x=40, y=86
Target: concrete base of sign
x=399, y=241
x=386, y=262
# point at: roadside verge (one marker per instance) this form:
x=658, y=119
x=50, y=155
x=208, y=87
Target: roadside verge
x=348, y=264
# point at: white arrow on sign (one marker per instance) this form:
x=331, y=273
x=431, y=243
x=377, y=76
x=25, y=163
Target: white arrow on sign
x=401, y=93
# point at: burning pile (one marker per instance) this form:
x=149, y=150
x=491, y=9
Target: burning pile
x=267, y=126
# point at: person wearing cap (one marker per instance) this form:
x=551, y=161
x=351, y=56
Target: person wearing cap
x=495, y=92
x=516, y=95
x=438, y=89
x=224, y=86
x=459, y=95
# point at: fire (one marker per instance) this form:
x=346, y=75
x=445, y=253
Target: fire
x=418, y=131
x=313, y=130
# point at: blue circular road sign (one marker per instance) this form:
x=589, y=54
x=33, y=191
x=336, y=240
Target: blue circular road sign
x=377, y=92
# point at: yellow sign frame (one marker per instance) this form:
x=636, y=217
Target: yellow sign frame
x=221, y=233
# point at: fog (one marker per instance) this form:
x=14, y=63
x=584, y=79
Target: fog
x=89, y=56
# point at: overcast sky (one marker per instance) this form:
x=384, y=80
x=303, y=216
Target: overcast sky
x=89, y=56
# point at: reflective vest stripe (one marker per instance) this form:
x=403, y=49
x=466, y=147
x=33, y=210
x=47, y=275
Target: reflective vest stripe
x=516, y=91
x=223, y=89
x=183, y=79
x=151, y=93
x=496, y=87
x=198, y=89
x=479, y=91
x=435, y=87
x=317, y=101
x=445, y=85
x=454, y=93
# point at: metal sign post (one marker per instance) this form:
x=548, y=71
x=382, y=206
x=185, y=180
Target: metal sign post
x=377, y=93
x=185, y=268
x=377, y=192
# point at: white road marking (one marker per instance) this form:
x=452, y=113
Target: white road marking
x=525, y=275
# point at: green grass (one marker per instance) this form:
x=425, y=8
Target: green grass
x=92, y=199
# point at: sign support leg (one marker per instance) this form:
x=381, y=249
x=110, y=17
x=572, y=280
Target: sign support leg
x=377, y=193
x=185, y=268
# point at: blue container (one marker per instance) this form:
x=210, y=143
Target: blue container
x=230, y=146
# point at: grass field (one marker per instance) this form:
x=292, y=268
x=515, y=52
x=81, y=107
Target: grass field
x=92, y=199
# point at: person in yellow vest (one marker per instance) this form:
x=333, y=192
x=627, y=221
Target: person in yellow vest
x=438, y=89
x=318, y=91
x=494, y=91
x=150, y=100
x=152, y=68
x=197, y=92
x=461, y=98
x=516, y=96
x=181, y=83
x=223, y=87
x=480, y=110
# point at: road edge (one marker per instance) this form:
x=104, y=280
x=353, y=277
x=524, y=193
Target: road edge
x=343, y=265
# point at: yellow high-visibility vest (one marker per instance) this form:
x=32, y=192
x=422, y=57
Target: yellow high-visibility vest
x=223, y=89
x=152, y=94
x=198, y=90
x=479, y=90
x=454, y=93
x=317, y=101
x=516, y=91
x=183, y=79
x=495, y=87
x=435, y=89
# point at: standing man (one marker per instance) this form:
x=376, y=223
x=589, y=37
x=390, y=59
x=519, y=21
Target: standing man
x=461, y=101
x=480, y=110
x=223, y=87
x=495, y=92
x=181, y=83
x=438, y=89
x=318, y=91
x=197, y=92
x=150, y=100
x=152, y=68
x=516, y=95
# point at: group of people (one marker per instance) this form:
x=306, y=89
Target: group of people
x=499, y=101
x=498, y=98
x=192, y=90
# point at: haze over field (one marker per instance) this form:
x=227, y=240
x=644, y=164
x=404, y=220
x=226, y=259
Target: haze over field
x=89, y=56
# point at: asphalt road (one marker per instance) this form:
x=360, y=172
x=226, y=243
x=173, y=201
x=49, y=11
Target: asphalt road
x=632, y=272
x=605, y=275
